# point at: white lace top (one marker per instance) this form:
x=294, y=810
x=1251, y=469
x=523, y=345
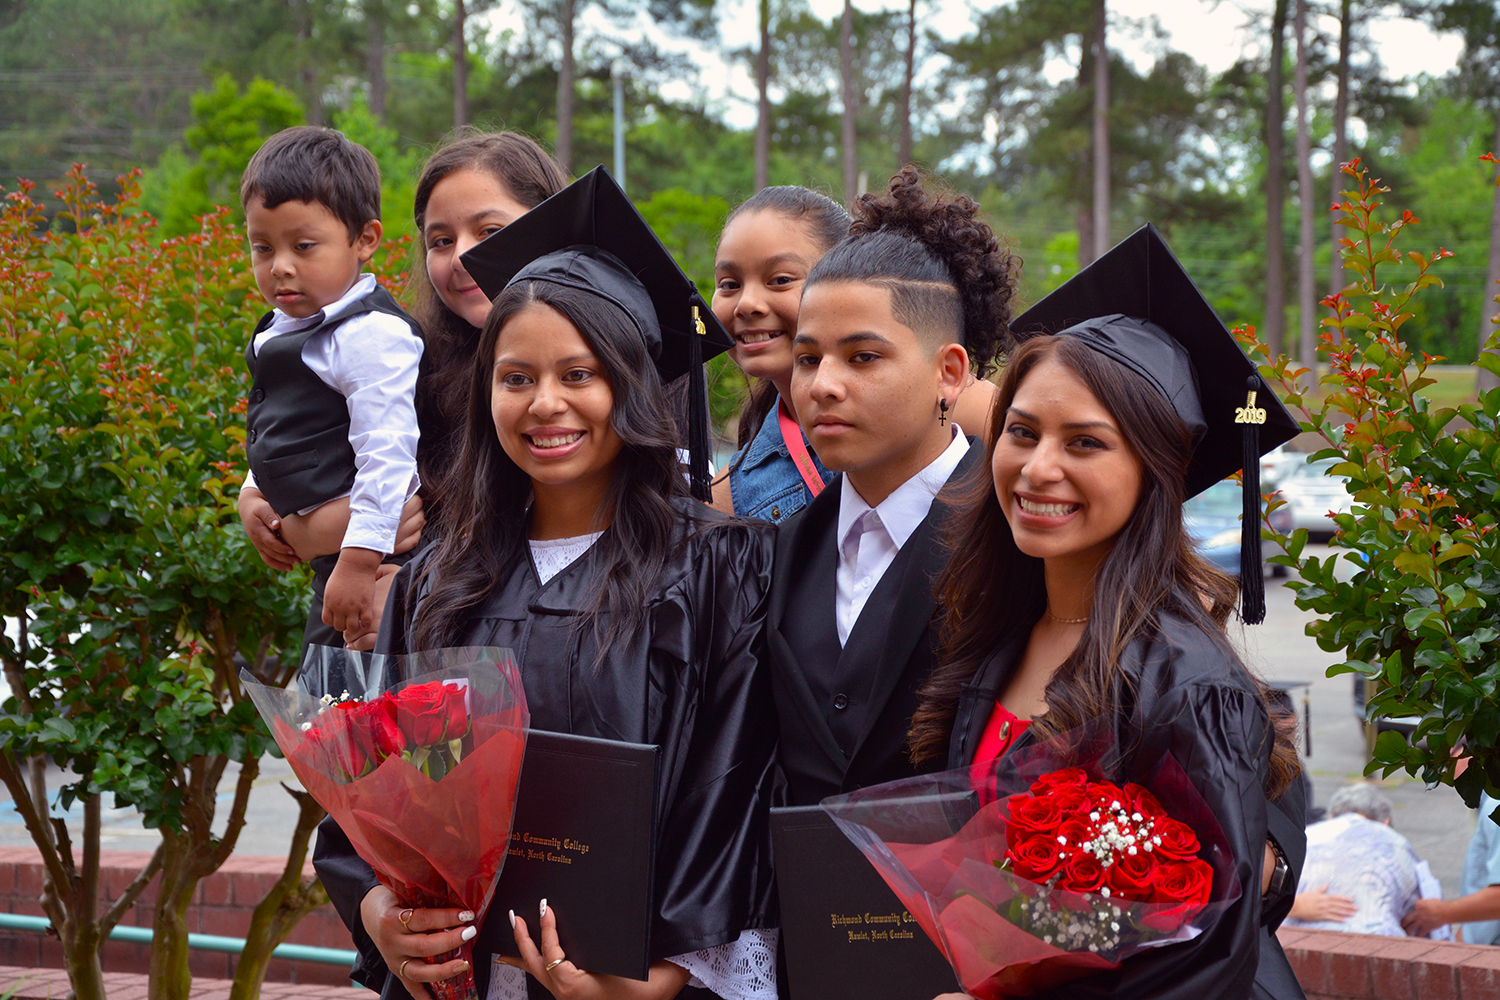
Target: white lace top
x=557, y=554
x=743, y=969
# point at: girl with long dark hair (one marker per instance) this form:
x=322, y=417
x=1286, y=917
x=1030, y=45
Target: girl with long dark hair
x=635, y=613
x=1074, y=592
x=468, y=190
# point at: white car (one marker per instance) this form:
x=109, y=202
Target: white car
x=1312, y=494
x=1277, y=464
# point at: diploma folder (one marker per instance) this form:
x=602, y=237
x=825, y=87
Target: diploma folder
x=847, y=935
x=584, y=839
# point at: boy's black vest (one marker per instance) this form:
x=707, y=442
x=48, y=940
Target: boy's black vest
x=297, y=428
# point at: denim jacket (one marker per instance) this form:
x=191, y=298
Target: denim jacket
x=763, y=479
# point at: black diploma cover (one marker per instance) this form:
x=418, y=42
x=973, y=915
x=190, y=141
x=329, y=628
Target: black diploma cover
x=583, y=839
x=847, y=935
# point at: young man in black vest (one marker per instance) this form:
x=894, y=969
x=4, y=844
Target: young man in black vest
x=889, y=324
x=334, y=366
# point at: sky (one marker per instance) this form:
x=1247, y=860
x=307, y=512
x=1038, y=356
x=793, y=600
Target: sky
x=1213, y=33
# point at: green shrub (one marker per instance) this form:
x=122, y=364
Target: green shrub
x=137, y=593
x=1416, y=616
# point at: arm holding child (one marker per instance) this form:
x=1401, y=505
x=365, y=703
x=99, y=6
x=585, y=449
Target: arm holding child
x=263, y=526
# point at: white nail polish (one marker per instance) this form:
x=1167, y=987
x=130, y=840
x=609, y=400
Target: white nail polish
x=470, y=933
x=466, y=917
x=512, y=919
x=544, y=907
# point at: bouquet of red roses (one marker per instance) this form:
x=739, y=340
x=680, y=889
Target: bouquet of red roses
x=417, y=758
x=1052, y=872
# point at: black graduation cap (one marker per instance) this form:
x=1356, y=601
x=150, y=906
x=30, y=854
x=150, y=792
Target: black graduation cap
x=589, y=236
x=1138, y=306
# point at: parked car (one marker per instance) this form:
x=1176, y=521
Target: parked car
x=1212, y=519
x=1312, y=493
x=1277, y=464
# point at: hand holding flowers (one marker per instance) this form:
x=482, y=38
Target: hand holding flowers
x=402, y=763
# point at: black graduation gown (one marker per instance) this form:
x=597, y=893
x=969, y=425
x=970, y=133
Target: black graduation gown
x=690, y=681
x=889, y=655
x=1188, y=698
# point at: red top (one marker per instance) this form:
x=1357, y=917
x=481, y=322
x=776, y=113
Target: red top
x=1000, y=732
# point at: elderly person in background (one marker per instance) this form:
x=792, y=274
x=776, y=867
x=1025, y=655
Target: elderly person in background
x=1361, y=876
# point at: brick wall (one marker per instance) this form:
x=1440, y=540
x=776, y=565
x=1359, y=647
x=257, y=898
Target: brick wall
x=1335, y=966
x=223, y=905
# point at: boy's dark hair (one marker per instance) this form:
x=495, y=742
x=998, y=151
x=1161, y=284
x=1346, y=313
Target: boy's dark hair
x=315, y=164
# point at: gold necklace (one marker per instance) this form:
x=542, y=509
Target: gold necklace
x=1066, y=621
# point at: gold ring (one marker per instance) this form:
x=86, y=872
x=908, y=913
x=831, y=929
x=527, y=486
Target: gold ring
x=553, y=964
x=401, y=972
x=406, y=916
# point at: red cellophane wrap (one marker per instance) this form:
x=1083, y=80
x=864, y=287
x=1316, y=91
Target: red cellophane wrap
x=1050, y=872
x=417, y=758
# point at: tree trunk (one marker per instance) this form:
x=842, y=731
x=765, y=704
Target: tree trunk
x=80, y=933
x=309, y=70
x=1336, y=282
x=170, y=976
x=564, y=150
x=460, y=67
x=1083, y=219
x=1307, y=293
x=68, y=895
x=846, y=74
x=1487, y=310
x=904, y=149
x=375, y=57
x=1101, y=131
x=1083, y=212
x=289, y=900
x=1275, y=319
x=763, y=102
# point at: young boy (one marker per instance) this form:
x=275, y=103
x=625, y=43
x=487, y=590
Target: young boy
x=334, y=366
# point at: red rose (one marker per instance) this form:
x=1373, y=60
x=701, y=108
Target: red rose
x=1073, y=800
x=1035, y=858
x=1106, y=793
x=1133, y=876
x=1169, y=919
x=1142, y=801
x=1031, y=814
x=1183, y=882
x=373, y=730
x=1072, y=832
x=1068, y=776
x=430, y=714
x=1083, y=873
x=1177, y=839
x=329, y=748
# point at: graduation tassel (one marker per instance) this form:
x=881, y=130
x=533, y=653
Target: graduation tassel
x=1252, y=584
x=697, y=429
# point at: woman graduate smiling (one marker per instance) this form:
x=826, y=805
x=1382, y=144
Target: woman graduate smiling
x=1074, y=593
x=634, y=612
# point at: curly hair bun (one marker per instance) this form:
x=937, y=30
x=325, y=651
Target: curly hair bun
x=938, y=230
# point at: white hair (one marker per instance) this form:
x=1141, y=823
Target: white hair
x=1363, y=798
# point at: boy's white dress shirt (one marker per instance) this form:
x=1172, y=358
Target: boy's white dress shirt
x=371, y=360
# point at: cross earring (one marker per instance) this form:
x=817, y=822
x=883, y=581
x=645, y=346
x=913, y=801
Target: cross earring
x=943, y=412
